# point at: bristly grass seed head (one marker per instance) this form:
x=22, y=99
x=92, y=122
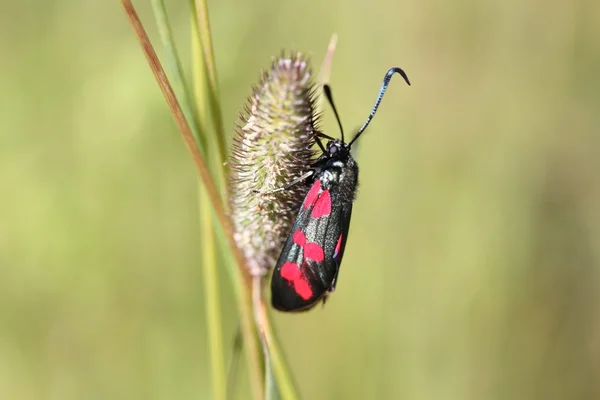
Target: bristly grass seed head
x=271, y=149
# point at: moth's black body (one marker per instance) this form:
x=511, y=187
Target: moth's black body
x=337, y=173
x=308, y=267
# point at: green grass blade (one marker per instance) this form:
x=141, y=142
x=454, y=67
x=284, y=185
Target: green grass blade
x=250, y=339
x=211, y=290
x=177, y=77
x=210, y=111
x=234, y=361
x=286, y=386
x=271, y=388
x=285, y=381
x=205, y=36
x=209, y=258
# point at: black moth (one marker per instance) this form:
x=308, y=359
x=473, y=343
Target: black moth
x=308, y=266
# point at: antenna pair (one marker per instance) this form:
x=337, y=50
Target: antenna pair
x=384, y=85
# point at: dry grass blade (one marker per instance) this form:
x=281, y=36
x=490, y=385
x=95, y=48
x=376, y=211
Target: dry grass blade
x=185, y=131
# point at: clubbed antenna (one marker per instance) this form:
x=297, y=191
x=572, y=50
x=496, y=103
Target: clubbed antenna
x=384, y=85
x=272, y=148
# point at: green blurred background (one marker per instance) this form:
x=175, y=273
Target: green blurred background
x=472, y=270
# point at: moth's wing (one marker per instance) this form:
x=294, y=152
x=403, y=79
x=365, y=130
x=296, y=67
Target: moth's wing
x=309, y=262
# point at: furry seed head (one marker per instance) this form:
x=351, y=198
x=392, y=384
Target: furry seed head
x=270, y=150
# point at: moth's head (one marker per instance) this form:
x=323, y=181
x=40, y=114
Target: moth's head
x=337, y=149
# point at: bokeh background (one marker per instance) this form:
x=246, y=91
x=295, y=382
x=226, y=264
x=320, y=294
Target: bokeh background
x=472, y=269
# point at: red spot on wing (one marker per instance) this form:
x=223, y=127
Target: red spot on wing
x=302, y=288
x=292, y=273
x=311, y=250
x=322, y=206
x=314, y=252
x=299, y=238
x=338, y=247
x=312, y=194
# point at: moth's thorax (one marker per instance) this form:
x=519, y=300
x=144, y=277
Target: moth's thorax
x=337, y=168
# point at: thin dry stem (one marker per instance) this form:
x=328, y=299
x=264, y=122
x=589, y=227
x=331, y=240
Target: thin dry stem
x=186, y=133
x=325, y=70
